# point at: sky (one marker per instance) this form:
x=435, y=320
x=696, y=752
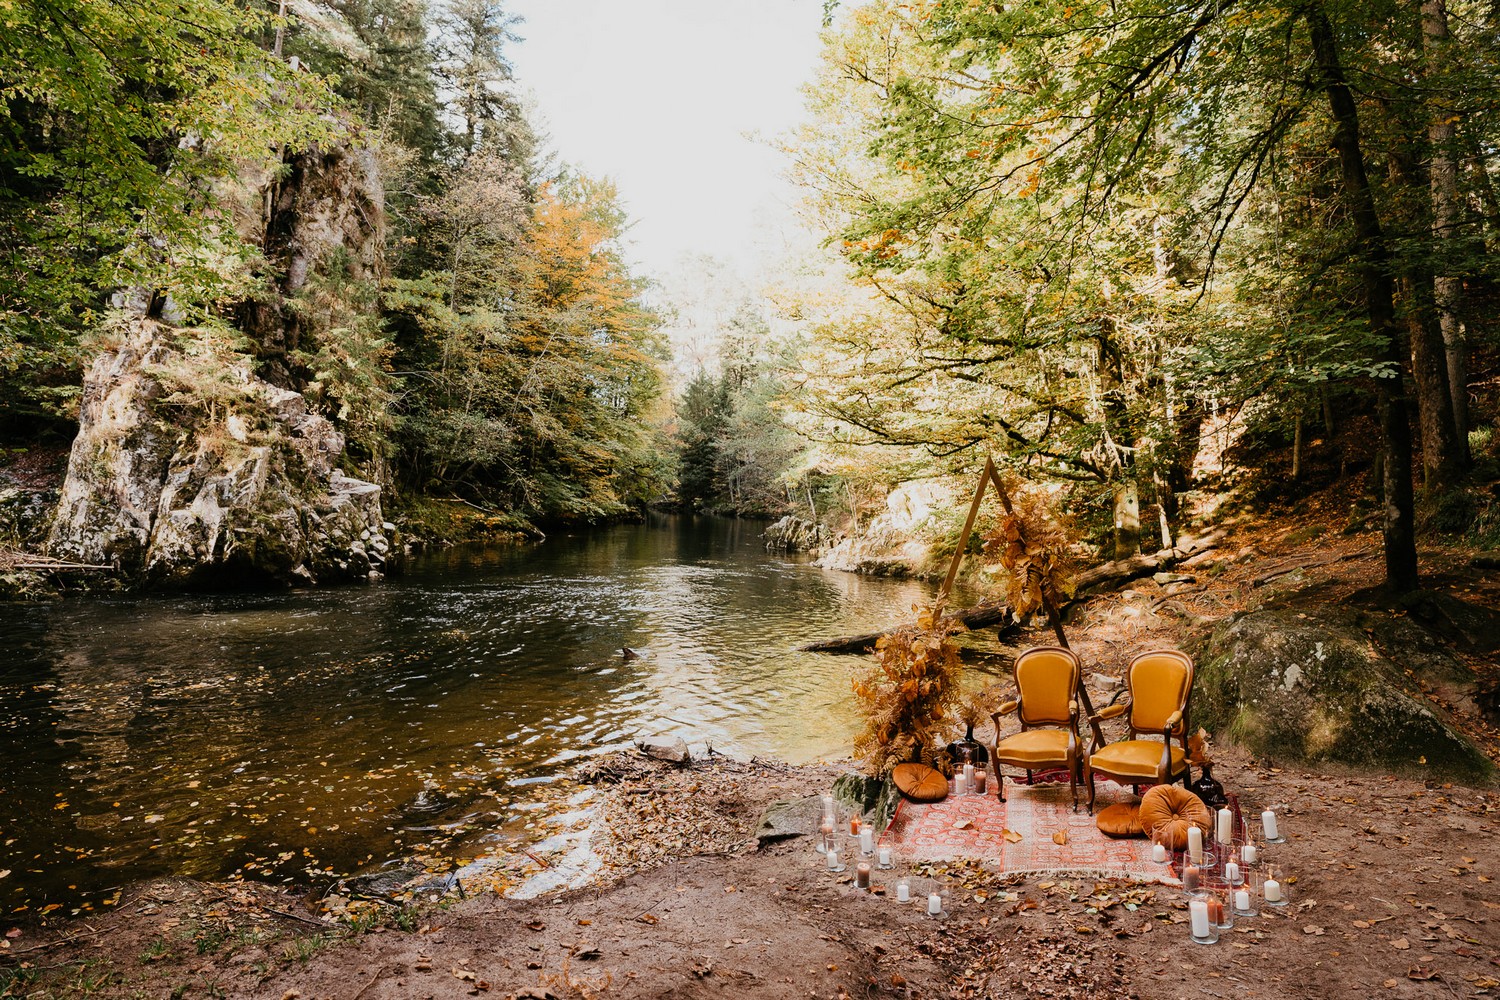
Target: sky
x=660, y=96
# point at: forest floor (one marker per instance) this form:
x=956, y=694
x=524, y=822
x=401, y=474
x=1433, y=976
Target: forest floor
x=1391, y=878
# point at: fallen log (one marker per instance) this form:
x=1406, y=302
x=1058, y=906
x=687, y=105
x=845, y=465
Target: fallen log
x=998, y=616
x=975, y=618
x=1124, y=570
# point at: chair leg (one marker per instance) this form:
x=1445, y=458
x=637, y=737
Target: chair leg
x=1088, y=773
x=1030, y=780
x=1073, y=784
x=1000, y=781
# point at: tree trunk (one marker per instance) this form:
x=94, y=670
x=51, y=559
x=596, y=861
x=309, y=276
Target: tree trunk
x=1442, y=464
x=1297, y=449
x=1127, y=520
x=1379, y=291
x=1442, y=130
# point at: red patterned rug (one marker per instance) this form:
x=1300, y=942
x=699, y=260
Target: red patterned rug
x=1036, y=818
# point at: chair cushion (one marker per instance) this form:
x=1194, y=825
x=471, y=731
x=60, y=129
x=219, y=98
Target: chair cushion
x=1032, y=747
x=1167, y=811
x=1120, y=820
x=919, y=782
x=1134, y=759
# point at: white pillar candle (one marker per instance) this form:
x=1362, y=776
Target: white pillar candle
x=1226, y=826
x=828, y=808
x=885, y=857
x=1268, y=821
x=968, y=777
x=1195, y=845
x=866, y=840
x=1250, y=853
x=1232, y=873
x=1242, y=900
x=1273, y=891
x=934, y=904
x=833, y=859
x=1158, y=852
x=1198, y=910
x=903, y=891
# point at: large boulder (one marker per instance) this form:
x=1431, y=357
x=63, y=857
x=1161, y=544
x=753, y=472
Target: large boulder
x=1315, y=687
x=228, y=482
x=796, y=534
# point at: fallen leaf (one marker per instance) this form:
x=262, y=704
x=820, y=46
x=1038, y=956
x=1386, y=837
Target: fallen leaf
x=464, y=974
x=897, y=980
x=1421, y=974
x=1012, y=836
x=1060, y=837
x=1401, y=944
x=1313, y=929
x=537, y=925
x=648, y=918
x=963, y=824
x=588, y=954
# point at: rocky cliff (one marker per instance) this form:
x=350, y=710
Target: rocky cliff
x=198, y=460
x=175, y=496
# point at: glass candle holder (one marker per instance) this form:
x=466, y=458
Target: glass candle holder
x=1270, y=825
x=1244, y=899
x=885, y=858
x=1160, y=853
x=1201, y=926
x=1221, y=908
x=1273, y=891
x=903, y=890
x=833, y=862
x=936, y=906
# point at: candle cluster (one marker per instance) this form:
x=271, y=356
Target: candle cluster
x=862, y=848
x=1228, y=882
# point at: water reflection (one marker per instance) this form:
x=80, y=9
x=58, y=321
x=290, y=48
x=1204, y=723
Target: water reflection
x=284, y=735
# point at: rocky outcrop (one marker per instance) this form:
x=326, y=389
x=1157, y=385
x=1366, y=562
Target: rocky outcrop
x=890, y=544
x=795, y=534
x=234, y=484
x=1316, y=688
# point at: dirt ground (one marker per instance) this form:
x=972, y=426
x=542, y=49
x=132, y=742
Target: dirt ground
x=1392, y=883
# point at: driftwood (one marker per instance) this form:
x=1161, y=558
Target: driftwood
x=998, y=616
x=978, y=617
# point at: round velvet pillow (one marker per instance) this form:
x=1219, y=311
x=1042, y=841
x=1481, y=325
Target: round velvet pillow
x=1120, y=820
x=1174, y=810
x=919, y=782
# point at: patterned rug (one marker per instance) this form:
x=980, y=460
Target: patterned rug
x=975, y=826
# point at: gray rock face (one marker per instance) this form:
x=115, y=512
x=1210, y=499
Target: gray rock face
x=795, y=534
x=1316, y=688
x=244, y=494
x=789, y=818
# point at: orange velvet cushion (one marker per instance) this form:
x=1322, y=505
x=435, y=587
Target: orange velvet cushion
x=919, y=782
x=1134, y=759
x=1173, y=809
x=1120, y=820
x=1033, y=747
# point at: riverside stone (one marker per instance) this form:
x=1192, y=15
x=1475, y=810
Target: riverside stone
x=1314, y=687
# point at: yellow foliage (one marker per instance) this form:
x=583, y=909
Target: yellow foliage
x=906, y=694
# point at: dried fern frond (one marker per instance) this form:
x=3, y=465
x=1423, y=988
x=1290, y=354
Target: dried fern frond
x=907, y=692
x=1032, y=545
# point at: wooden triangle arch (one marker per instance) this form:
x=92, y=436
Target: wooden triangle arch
x=991, y=477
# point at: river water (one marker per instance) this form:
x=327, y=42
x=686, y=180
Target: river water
x=296, y=735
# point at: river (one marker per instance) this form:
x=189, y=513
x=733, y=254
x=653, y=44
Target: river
x=298, y=735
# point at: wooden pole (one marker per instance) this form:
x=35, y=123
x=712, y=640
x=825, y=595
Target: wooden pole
x=963, y=538
x=1054, y=616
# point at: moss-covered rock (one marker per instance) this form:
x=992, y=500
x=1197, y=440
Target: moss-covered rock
x=1316, y=688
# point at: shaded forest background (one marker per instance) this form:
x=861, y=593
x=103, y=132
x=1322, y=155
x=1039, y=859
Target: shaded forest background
x=1082, y=238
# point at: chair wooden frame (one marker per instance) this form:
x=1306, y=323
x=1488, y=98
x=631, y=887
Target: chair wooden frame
x=1175, y=724
x=1070, y=759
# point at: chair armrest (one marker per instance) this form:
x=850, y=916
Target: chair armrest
x=1073, y=710
x=1173, y=721
x=1005, y=709
x=1111, y=711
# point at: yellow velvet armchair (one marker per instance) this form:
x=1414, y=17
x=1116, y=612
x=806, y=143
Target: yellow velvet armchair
x=1161, y=688
x=1046, y=705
